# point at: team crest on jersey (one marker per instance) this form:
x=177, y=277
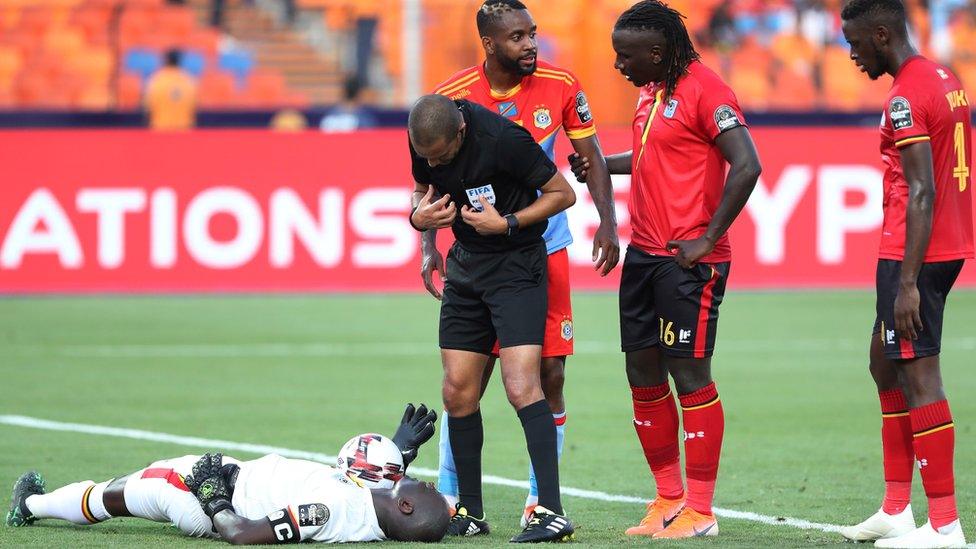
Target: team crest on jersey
x=725, y=118
x=486, y=191
x=542, y=118
x=669, y=110
x=583, y=108
x=566, y=329
x=314, y=514
x=900, y=113
x=508, y=109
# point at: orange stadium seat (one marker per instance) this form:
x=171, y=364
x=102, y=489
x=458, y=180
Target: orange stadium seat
x=967, y=74
x=264, y=89
x=93, y=21
x=216, y=89
x=176, y=23
x=11, y=62
x=129, y=91
x=792, y=91
x=9, y=17
x=843, y=84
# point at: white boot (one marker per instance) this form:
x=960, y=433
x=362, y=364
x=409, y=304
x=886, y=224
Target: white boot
x=881, y=525
x=925, y=537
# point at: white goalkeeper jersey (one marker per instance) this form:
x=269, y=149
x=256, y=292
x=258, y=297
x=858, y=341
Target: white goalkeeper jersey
x=305, y=501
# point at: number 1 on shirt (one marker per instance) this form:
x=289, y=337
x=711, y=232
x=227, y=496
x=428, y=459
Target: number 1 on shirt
x=961, y=171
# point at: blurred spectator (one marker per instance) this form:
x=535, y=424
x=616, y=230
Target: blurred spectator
x=349, y=115
x=288, y=120
x=171, y=96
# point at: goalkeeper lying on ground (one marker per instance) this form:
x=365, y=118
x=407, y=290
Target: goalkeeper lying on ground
x=267, y=500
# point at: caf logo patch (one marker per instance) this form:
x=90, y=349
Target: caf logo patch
x=900, y=113
x=725, y=118
x=583, y=108
x=566, y=329
x=314, y=514
x=542, y=118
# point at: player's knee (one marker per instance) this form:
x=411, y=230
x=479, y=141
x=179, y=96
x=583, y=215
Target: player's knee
x=522, y=392
x=459, y=399
x=690, y=380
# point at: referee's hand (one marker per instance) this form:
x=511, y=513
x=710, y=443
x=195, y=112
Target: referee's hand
x=434, y=215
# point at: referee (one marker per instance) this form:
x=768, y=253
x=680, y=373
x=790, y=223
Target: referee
x=497, y=188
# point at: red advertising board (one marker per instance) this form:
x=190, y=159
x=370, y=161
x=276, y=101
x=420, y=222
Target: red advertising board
x=133, y=211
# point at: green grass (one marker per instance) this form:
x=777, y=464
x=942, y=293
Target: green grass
x=308, y=372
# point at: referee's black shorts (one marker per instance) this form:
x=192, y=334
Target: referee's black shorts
x=934, y=282
x=665, y=306
x=489, y=295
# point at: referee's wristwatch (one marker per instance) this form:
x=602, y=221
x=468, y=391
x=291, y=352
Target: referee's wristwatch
x=513, y=225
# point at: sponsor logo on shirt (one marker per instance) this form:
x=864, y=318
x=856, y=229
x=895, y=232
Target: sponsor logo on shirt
x=313, y=514
x=486, y=191
x=725, y=118
x=900, y=113
x=542, y=118
x=508, y=108
x=669, y=110
x=461, y=94
x=583, y=108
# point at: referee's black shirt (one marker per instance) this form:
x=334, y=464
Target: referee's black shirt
x=498, y=159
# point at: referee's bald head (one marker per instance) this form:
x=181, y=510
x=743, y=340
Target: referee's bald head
x=433, y=118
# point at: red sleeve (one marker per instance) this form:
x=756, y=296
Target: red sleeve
x=907, y=114
x=718, y=110
x=577, y=118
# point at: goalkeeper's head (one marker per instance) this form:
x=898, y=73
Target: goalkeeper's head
x=412, y=511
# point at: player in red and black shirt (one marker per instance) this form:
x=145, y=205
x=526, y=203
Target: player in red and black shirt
x=687, y=130
x=926, y=236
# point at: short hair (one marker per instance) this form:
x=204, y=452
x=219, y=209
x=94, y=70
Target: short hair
x=885, y=8
x=491, y=12
x=658, y=16
x=173, y=57
x=432, y=118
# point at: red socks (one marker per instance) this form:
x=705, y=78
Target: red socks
x=934, y=441
x=704, y=425
x=899, y=455
x=656, y=422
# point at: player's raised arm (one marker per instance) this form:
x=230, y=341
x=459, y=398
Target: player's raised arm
x=916, y=161
x=606, y=246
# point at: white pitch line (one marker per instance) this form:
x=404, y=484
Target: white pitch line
x=246, y=350
x=260, y=449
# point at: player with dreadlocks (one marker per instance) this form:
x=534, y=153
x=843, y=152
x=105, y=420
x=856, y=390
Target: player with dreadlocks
x=687, y=129
x=545, y=100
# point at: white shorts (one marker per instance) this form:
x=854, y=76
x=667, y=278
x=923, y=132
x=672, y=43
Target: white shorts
x=157, y=493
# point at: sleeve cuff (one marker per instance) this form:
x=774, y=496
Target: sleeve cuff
x=909, y=140
x=582, y=133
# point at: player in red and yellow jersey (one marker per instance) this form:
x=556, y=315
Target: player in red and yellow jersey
x=545, y=100
x=687, y=130
x=926, y=236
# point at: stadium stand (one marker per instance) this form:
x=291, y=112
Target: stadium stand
x=97, y=54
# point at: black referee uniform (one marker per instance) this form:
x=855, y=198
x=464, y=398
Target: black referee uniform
x=496, y=285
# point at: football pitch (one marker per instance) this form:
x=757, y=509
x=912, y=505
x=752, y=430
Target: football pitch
x=96, y=387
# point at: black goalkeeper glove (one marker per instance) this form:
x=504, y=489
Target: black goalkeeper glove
x=210, y=483
x=416, y=428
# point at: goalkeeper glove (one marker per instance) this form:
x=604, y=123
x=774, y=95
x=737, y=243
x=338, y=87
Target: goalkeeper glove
x=210, y=483
x=416, y=428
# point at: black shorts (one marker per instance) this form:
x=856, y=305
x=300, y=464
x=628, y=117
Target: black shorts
x=934, y=282
x=663, y=304
x=493, y=295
